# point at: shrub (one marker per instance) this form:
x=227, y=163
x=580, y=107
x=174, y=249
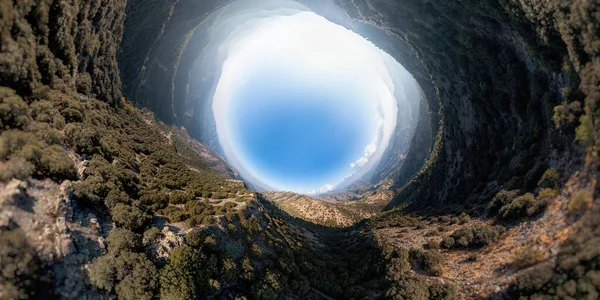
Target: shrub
x=464, y=218
x=444, y=219
x=584, y=132
x=14, y=112
x=429, y=261
x=197, y=208
x=502, y=198
x=21, y=272
x=192, y=222
x=473, y=237
x=432, y=245
x=527, y=257
x=229, y=205
x=18, y=168
x=565, y=114
x=130, y=217
x=83, y=138
x=195, y=238
x=185, y=276
x=550, y=178
x=580, y=200
x=178, y=197
x=441, y=291
x=206, y=194
x=521, y=207
x=447, y=242
x=155, y=200
x=408, y=288
x=131, y=275
x=398, y=265
x=115, y=197
x=54, y=163
x=546, y=194
x=121, y=240
x=152, y=235
x=175, y=214
x=220, y=195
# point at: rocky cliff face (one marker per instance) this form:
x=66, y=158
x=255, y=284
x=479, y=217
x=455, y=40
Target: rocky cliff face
x=492, y=73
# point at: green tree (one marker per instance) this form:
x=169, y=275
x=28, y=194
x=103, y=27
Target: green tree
x=185, y=276
x=130, y=217
x=121, y=240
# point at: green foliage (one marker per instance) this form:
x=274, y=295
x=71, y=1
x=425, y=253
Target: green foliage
x=14, y=112
x=185, y=276
x=195, y=238
x=580, y=200
x=584, y=133
x=178, y=197
x=29, y=156
x=521, y=207
x=130, y=275
x=123, y=240
x=84, y=139
x=566, y=114
x=174, y=214
x=21, y=271
x=441, y=291
x=464, y=218
x=473, y=237
x=152, y=235
x=408, y=288
x=550, y=178
x=130, y=217
x=155, y=200
x=502, y=198
x=447, y=242
x=545, y=194
x=18, y=168
x=229, y=206
x=429, y=261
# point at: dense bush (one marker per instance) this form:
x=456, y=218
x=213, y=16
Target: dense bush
x=130, y=275
x=29, y=156
x=130, y=217
x=178, y=197
x=155, y=200
x=440, y=291
x=521, y=207
x=502, y=198
x=473, y=237
x=429, y=261
x=152, y=235
x=84, y=139
x=21, y=271
x=174, y=214
x=580, y=200
x=185, y=276
x=550, y=178
x=14, y=112
x=408, y=288
x=122, y=240
x=447, y=242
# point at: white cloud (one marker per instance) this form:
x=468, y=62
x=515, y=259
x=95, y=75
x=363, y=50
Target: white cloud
x=317, y=54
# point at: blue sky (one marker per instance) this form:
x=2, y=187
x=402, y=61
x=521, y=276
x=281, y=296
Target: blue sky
x=303, y=104
x=295, y=138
